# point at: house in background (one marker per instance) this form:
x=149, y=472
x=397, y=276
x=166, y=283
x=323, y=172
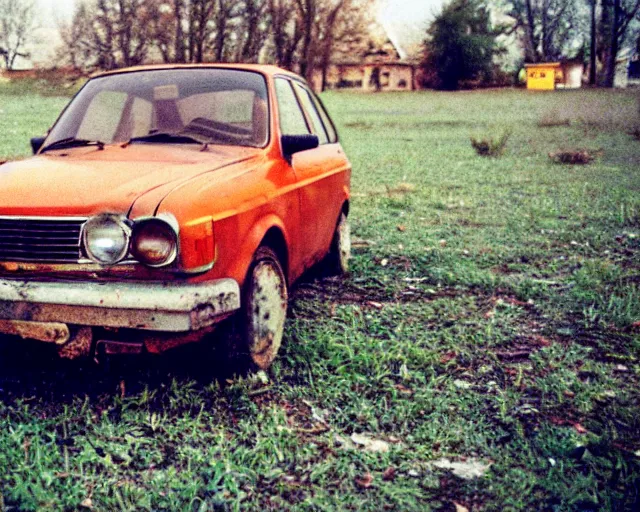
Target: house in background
x=380, y=64
x=627, y=69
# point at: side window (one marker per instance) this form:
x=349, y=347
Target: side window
x=292, y=120
x=331, y=132
x=309, y=106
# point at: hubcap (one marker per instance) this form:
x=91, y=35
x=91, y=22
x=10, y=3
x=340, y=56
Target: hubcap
x=344, y=242
x=267, y=314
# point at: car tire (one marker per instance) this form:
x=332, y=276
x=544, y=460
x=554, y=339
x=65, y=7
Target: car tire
x=257, y=329
x=337, y=260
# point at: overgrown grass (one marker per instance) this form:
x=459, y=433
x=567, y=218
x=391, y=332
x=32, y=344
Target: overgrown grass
x=492, y=313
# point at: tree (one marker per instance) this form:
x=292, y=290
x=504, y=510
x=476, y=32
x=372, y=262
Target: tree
x=252, y=30
x=460, y=43
x=548, y=27
x=16, y=24
x=620, y=14
x=593, y=46
x=286, y=29
x=106, y=34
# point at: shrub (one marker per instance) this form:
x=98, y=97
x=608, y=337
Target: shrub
x=574, y=156
x=491, y=146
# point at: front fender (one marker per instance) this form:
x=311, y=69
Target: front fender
x=238, y=267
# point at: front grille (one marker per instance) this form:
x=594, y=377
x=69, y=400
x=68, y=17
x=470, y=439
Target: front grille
x=40, y=239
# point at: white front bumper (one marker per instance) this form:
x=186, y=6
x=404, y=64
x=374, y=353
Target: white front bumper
x=150, y=306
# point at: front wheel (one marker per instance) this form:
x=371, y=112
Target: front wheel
x=259, y=325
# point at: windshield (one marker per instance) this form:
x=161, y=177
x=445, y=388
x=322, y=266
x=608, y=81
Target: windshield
x=216, y=106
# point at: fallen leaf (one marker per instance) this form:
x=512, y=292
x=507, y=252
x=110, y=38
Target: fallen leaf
x=389, y=474
x=515, y=354
x=123, y=390
x=365, y=481
x=445, y=358
x=541, y=340
x=345, y=443
x=635, y=325
x=460, y=508
x=370, y=444
x=569, y=394
x=384, y=262
x=462, y=384
x=621, y=368
x=404, y=390
x=443, y=243
x=87, y=503
x=580, y=429
x=402, y=228
x=375, y=304
x=467, y=470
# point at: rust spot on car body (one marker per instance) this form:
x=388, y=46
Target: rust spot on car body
x=51, y=332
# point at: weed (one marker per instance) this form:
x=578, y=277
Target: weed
x=553, y=119
x=574, y=156
x=491, y=146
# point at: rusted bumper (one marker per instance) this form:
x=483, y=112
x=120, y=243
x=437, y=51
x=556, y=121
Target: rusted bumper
x=150, y=306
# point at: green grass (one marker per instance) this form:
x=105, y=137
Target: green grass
x=491, y=313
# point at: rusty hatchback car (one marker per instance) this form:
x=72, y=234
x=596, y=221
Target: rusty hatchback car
x=166, y=200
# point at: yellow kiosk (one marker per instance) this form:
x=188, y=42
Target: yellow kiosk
x=543, y=76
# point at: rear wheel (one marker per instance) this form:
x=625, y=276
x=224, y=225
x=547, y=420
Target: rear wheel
x=337, y=261
x=259, y=326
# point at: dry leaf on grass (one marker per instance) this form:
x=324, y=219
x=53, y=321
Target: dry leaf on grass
x=370, y=444
x=580, y=429
x=389, y=474
x=460, y=508
x=364, y=481
x=468, y=470
x=574, y=157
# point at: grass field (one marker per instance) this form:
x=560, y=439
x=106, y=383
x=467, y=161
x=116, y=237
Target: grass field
x=491, y=319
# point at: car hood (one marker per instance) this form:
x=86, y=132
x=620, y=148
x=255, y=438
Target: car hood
x=85, y=181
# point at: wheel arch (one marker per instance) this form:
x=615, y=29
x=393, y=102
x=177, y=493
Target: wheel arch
x=268, y=230
x=345, y=207
x=274, y=239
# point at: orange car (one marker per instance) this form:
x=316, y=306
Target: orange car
x=166, y=199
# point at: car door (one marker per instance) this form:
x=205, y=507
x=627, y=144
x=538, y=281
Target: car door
x=322, y=173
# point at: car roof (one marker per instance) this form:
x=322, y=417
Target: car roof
x=260, y=68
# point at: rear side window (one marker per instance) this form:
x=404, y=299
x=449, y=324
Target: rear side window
x=292, y=121
x=331, y=131
x=309, y=106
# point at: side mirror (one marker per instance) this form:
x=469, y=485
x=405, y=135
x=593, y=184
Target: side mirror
x=295, y=143
x=36, y=144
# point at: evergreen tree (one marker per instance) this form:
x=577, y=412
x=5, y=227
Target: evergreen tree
x=460, y=44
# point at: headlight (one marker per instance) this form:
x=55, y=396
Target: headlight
x=154, y=242
x=106, y=238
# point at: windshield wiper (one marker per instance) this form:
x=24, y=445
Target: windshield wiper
x=73, y=142
x=166, y=138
